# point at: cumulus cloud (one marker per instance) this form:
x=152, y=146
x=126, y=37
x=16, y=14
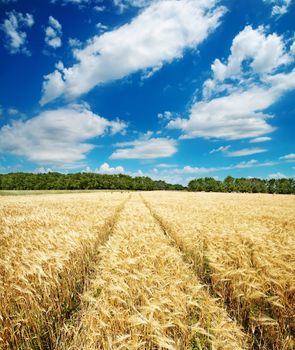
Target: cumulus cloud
x=13, y=27
x=236, y=116
x=253, y=52
x=53, y=33
x=158, y=35
x=236, y=98
x=56, y=137
x=266, y=53
x=105, y=168
x=145, y=148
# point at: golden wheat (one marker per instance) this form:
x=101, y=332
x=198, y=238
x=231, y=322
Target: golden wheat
x=145, y=296
x=65, y=285
x=47, y=245
x=243, y=247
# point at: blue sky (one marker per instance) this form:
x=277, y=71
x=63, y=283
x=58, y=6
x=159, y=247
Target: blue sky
x=164, y=88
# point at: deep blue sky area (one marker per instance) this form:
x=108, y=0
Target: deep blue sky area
x=169, y=89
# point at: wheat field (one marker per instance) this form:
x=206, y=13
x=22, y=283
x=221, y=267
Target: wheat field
x=147, y=270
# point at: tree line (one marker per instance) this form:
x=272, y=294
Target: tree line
x=81, y=181
x=244, y=185
x=93, y=181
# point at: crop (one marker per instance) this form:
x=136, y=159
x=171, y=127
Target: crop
x=148, y=270
x=47, y=247
x=243, y=248
x=144, y=296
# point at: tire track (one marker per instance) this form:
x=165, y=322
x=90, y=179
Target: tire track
x=209, y=294
x=51, y=247
x=144, y=296
x=104, y=233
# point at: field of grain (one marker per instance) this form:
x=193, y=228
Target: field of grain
x=149, y=270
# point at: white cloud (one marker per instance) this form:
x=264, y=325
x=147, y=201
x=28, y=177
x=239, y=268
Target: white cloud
x=74, y=42
x=260, y=139
x=15, y=113
x=13, y=27
x=77, y=2
x=7, y=1
x=245, y=152
x=243, y=91
x=145, y=148
x=101, y=27
x=99, y=8
x=253, y=51
x=160, y=175
x=219, y=149
x=87, y=170
x=164, y=165
x=266, y=53
x=42, y=170
x=56, y=137
x=53, y=33
x=236, y=116
x=288, y=157
x=238, y=153
x=83, y=3
x=277, y=176
x=105, y=168
x=123, y=5
x=12, y=111
x=194, y=170
x=280, y=7
x=205, y=170
x=158, y=35
x=167, y=115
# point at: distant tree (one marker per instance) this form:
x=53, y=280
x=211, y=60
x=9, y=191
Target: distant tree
x=285, y=186
x=245, y=185
x=229, y=184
